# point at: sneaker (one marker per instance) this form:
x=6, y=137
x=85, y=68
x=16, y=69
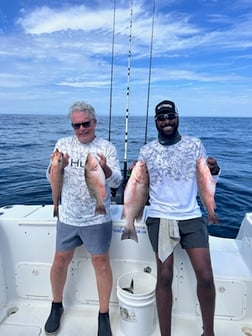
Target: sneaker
x=104, y=328
x=53, y=322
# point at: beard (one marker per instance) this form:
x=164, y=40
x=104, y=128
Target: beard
x=166, y=138
x=170, y=134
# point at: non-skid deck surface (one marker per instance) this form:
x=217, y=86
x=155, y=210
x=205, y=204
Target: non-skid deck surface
x=82, y=321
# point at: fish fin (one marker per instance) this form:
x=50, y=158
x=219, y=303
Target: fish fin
x=66, y=157
x=140, y=215
x=123, y=216
x=129, y=234
x=130, y=289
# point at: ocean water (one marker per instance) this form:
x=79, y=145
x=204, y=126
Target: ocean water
x=26, y=142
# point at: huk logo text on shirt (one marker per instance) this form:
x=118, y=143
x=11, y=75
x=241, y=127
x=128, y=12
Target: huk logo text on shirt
x=77, y=163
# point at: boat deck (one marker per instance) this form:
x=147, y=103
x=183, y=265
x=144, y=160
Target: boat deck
x=27, y=236
x=30, y=318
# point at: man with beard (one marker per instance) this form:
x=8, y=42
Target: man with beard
x=171, y=161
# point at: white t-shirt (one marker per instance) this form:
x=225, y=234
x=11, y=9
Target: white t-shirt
x=172, y=172
x=77, y=206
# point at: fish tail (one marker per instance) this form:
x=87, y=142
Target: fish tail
x=100, y=209
x=56, y=211
x=129, y=233
x=213, y=219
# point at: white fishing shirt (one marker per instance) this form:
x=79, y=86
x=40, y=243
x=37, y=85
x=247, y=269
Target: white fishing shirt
x=172, y=172
x=77, y=206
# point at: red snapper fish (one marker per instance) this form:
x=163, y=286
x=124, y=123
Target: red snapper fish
x=135, y=197
x=95, y=180
x=206, y=188
x=56, y=178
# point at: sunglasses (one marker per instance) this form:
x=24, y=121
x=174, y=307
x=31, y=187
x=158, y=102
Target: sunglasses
x=85, y=124
x=169, y=116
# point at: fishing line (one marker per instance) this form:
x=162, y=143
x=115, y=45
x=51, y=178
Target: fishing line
x=127, y=96
x=149, y=80
x=112, y=72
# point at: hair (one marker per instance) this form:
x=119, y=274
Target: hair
x=82, y=106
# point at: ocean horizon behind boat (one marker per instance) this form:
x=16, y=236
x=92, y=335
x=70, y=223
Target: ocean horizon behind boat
x=24, y=162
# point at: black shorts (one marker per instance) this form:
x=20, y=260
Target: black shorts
x=193, y=232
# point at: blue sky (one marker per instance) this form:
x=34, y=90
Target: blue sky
x=53, y=53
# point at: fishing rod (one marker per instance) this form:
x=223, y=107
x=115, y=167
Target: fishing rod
x=149, y=80
x=112, y=72
x=127, y=97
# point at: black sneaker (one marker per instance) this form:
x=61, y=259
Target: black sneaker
x=104, y=328
x=53, y=321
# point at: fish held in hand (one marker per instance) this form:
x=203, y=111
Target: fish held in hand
x=58, y=163
x=95, y=180
x=135, y=197
x=206, y=188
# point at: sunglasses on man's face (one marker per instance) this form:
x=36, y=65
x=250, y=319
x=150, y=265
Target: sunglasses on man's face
x=169, y=116
x=85, y=124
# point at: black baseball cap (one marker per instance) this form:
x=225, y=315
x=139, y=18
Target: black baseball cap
x=166, y=106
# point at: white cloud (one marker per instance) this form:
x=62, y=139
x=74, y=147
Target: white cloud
x=45, y=20
x=69, y=48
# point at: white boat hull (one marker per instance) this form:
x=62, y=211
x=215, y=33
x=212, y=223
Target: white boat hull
x=27, y=242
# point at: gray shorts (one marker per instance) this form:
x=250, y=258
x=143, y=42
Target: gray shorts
x=193, y=232
x=96, y=238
